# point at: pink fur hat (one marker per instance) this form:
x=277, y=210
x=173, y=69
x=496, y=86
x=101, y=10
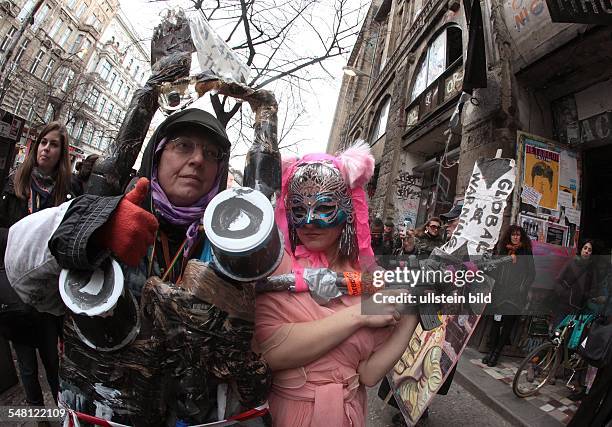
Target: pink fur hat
x=356, y=165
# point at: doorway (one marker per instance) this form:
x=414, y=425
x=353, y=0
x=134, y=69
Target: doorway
x=596, y=218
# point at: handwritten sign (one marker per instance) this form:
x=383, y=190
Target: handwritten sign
x=573, y=215
x=481, y=218
x=531, y=196
x=565, y=199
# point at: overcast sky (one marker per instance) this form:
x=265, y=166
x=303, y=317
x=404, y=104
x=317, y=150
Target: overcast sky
x=320, y=103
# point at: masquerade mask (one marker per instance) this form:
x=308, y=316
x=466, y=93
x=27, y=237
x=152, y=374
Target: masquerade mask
x=318, y=195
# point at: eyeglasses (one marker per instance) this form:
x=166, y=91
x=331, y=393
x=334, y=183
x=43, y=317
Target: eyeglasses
x=185, y=147
x=435, y=227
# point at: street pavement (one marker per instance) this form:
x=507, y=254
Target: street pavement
x=458, y=408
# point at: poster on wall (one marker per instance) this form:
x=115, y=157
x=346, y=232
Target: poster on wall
x=556, y=234
x=541, y=172
x=568, y=176
x=534, y=227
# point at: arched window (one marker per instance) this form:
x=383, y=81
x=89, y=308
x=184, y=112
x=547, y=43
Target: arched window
x=438, y=76
x=381, y=121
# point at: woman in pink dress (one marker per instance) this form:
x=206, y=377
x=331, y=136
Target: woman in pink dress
x=322, y=357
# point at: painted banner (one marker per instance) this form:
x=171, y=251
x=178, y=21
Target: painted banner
x=431, y=355
x=541, y=172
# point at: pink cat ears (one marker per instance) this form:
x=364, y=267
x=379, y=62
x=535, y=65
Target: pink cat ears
x=356, y=163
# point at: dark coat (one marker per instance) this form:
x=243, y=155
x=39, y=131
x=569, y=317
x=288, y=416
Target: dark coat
x=159, y=376
x=19, y=322
x=512, y=283
x=575, y=284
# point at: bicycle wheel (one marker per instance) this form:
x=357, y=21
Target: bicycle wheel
x=535, y=370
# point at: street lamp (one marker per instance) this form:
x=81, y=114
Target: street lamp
x=352, y=71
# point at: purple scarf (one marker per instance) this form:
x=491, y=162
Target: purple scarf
x=181, y=215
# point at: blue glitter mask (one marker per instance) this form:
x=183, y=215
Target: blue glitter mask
x=318, y=195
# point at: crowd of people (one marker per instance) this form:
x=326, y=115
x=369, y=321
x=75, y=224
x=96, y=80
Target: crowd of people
x=319, y=358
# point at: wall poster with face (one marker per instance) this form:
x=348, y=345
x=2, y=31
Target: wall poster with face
x=541, y=172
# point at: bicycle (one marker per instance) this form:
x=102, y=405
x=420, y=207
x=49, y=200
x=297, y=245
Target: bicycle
x=540, y=366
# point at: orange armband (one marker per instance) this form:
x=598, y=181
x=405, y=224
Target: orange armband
x=353, y=282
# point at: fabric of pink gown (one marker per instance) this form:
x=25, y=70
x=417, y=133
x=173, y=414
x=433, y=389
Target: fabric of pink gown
x=326, y=392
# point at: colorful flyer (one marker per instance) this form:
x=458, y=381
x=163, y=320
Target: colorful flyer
x=541, y=172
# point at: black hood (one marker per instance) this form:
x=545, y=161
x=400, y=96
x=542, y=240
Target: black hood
x=190, y=116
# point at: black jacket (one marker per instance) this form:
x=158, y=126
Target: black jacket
x=512, y=284
x=159, y=376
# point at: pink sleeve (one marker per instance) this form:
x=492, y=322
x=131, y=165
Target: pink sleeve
x=380, y=335
x=271, y=323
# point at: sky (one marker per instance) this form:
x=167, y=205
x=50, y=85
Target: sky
x=319, y=102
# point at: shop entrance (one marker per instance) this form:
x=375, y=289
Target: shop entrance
x=597, y=199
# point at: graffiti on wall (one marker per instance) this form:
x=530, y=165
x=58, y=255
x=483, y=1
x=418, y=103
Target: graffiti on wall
x=524, y=12
x=408, y=186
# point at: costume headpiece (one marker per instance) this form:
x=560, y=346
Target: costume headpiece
x=327, y=190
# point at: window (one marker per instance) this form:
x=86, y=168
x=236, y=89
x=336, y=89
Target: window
x=65, y=37
x=105, y=69
x=111, y=82
x=92, y=100
x=98, y=139
x=68, y=80
x=136, y=70
x=442, y=53
x=79, y=129
x=26, y=9
x=24, y=46
x=56, y=27
x=85, y=48
x=438, y=76
x=49, y=113
x=77, y=43
x=102, y=105
x=71, y=3
x=381, y=121
x=119, y=87
x=111, y=107
x=48, y=69
x=126, y=91
x=31, y=112
x=88, y=137
x=36, y=61
x=19, y=102
x=130, y=63
x=82, y=8
x=40, y=16
x=7, y=38
x=94, y=22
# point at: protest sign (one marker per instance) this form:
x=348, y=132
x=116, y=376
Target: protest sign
x=431, y=355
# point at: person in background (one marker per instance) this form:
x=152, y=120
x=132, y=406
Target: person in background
x=451, y=220
x=426, y=239
x=389, y=239
x=376, y=235
x=83, y=170
x=41, y=181
x=512, y=284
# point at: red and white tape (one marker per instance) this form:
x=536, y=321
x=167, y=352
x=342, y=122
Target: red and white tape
x=73, y=417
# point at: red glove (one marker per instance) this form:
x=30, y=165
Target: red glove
x=130, y=229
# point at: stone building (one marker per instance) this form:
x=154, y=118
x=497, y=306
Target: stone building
x=546, y=104
x=59, y=71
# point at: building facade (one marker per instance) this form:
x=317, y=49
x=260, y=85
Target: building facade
x=71, y=64
x=546, y=104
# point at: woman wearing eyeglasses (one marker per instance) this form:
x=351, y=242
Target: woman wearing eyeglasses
x=152, y=231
